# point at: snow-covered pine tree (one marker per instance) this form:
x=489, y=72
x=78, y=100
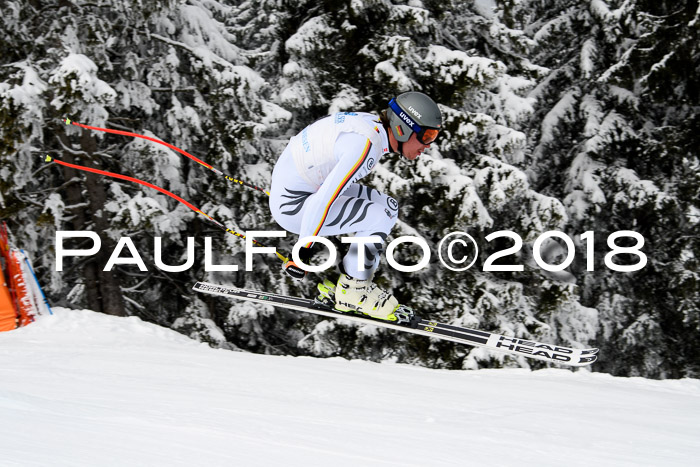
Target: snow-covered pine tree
x=43, y=80
x=614, y=138
x=655, y=81
x=165, y=69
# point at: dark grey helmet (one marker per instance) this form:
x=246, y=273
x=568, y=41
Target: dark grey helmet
x=414, y=112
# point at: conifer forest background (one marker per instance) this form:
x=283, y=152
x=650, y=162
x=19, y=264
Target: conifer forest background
x=563, y=115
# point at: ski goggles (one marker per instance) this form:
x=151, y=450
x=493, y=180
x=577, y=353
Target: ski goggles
x=425, y=135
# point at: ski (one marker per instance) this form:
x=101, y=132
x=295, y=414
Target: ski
x=512, y=345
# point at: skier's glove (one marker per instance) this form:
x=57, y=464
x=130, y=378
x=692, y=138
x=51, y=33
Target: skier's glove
x=293, y=270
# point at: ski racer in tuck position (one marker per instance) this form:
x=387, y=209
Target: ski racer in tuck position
x=315, y=192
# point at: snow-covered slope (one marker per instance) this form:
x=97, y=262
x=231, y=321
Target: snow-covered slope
x=84, y=389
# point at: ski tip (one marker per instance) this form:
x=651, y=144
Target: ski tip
x=67, y=121
x=584, y=361
x=48, y=158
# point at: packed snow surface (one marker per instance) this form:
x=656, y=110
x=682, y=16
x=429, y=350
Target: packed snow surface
x=84, y=389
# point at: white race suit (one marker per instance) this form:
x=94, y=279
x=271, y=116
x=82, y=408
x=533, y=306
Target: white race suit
x=315, y=191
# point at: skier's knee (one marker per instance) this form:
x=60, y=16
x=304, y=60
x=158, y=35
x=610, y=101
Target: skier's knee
x=389, y=211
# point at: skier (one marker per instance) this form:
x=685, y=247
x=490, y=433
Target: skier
x=315, y=192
